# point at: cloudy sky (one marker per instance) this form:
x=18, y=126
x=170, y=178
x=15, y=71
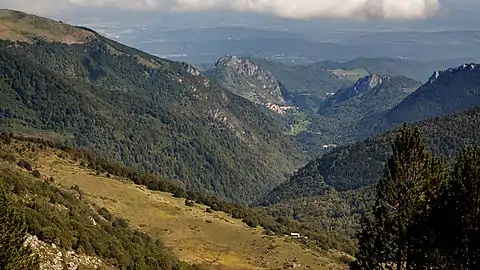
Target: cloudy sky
x=307, y=15
x=297, y=9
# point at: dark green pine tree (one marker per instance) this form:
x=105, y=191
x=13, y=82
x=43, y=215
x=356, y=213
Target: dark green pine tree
x=14, y=255
x=455, y=218
x=410, y=181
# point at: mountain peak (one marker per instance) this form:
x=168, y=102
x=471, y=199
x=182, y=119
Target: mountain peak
x=468, y=67
x=240, y=64
x=363, y=85
x=369, y=82
x=245, y=78
x=368, y=96
x=446, y=92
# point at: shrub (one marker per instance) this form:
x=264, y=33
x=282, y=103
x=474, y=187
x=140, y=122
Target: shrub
x=179, y=193
x=105, y=213
x=189, y=203
x=13, y=254
x=36, y=173
x=120, y=222
x=345, y=259
x=269, y=233
x=215, y=207
x=25, y=165
x=251, y=221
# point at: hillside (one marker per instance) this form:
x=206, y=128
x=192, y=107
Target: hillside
x=66, y=179
x=369, y=95
x=147, y=112
x=64, y=227
x=18, y=26
x=361, y=164
x=446, y=92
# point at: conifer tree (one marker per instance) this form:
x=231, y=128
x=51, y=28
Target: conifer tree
x=14, y=255
x=410, y=181
x=455, y=219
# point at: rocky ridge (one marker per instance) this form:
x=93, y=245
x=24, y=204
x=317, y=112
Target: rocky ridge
x=245, y=78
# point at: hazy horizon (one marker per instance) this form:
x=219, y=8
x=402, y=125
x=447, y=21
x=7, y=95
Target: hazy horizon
x=305, y=31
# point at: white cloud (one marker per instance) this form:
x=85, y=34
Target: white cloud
x=299, y=9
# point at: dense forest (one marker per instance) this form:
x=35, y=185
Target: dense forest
x=421, y=214
x=369, y=95
x=147, y=112
x=360, y=164
x=446, y=92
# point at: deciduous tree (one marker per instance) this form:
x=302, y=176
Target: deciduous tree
x=14, y=254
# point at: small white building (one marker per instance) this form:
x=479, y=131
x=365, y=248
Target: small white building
x=295, y=234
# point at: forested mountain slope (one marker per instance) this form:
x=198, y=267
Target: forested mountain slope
x=446, y=92
x=368, y=96
x=148, y=112
x=361, y=164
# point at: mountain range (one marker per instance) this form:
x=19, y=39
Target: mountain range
x=368, y=96
x=76, y=86
x=303, y=145
x=446, y=92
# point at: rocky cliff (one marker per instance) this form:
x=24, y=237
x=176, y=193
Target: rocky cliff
x=245, y=78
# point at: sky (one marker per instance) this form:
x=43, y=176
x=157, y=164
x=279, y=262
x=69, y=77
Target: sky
x=307, y=14
x=295, y=9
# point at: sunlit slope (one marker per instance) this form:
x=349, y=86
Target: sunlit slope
x=213, y=239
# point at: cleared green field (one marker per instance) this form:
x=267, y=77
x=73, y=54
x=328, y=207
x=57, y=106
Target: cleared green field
x=351, y=75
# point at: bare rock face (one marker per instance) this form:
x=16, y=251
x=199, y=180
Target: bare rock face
x=467, y=68
x=365, y=84
x=53, y=258
x=245, y=78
